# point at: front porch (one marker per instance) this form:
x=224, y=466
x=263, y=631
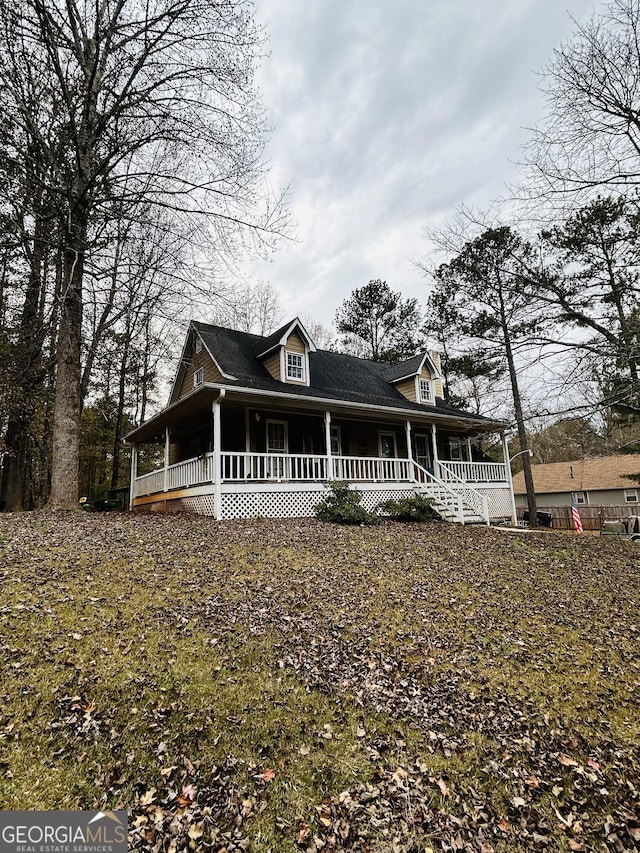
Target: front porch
x=248, y=484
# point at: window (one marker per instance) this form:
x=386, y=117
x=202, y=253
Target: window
x=336, y=441
x=455, y=450
x=631, y=496
x=198, y=377
x=425, y=391
x=197, y=344
x=581, y=498
x=295, y=366
x=277, y=437
x=387, y=445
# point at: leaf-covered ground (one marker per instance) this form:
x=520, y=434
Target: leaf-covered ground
x=295, y=686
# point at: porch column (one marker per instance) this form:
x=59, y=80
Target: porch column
x=327, y=439
x=507, y=463
x=217, y=459
x=247, y=431
x=165, y=480
x=434, y=441
x=134, y=474
x=469, y=456
x=409, y=449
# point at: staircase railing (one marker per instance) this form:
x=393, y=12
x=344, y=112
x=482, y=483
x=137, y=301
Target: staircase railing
x=453, y=500
x=468, y=496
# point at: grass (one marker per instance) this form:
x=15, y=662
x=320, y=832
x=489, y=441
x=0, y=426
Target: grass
x=281, y=686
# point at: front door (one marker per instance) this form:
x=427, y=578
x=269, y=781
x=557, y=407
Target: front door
x=422, y=452
x=277, y=443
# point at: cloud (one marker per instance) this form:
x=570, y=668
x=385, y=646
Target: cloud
x=387, y=118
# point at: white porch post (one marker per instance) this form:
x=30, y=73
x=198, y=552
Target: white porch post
x=434, y=441
x=409, y=449
x=507, y=462
x=327, y=438
x=134, y=474
x=217, y=459
x=165, y=478
x=247, y=431
x=469, y=458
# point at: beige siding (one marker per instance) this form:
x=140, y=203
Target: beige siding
x=408, y=388
x=435, y=358
x=438, y=389
x=209, y=370
x=295, y=343
x=272, y=363
x=425, y=373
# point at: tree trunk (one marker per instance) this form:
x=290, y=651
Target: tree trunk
x=522, y=432
x=67, y=406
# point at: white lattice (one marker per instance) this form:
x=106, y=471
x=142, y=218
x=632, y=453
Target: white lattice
x=276, y=504
x=370, y=500
x=201, y=504
x=499, y=502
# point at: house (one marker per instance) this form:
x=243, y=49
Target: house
x=256, y=426
x=602, y=481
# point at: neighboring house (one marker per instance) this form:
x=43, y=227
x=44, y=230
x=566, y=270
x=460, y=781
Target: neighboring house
x=255, y=426
x=594, y=482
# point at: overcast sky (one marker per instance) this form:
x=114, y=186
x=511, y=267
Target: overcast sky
x=387, y=115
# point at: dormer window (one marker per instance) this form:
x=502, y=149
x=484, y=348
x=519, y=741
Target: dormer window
x=426, y=395
x=295, y=366
x=198, y=377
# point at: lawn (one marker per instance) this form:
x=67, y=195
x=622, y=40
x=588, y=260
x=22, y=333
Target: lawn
x=295, y=686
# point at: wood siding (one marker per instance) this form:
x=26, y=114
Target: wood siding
x=272, y=363
x=408, y=388
x=210, y=372
x=295, y=343
x=438, y=390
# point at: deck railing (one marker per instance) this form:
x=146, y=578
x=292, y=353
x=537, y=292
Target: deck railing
x=304, y=467
x=473, y=472
x=241, y=467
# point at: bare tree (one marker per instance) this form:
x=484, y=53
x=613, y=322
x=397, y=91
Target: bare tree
x=249, y=307
x=145, y=100
x=590, y=135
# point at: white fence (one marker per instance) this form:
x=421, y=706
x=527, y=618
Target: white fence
x=290, y=467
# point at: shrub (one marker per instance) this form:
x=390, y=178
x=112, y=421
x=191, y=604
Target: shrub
x=414, y=508
x=342, y=506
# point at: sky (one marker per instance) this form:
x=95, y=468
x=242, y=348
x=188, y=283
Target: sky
x=386, y=117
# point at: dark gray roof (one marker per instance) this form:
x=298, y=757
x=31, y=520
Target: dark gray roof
x=400, y=369
x=333, y=375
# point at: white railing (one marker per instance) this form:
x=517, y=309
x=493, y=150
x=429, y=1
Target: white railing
x=245, y=467
x=147, y=484
x=440, y=492
x=371, y=469
x=473, y=472
x=241, y=467
x=471, y=498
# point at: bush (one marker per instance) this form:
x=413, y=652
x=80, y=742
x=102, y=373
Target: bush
x=342, y=506
x=415, y=508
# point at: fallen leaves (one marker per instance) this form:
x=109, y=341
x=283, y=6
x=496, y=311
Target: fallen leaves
x=483, y=698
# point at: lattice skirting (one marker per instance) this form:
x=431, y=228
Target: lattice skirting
x=276, y=503
x=291, y=503
x=499, y=502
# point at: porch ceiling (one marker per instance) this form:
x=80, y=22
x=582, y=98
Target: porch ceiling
x=197, y=405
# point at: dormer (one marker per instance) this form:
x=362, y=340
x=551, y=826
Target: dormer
x=419, y=378
x=286, y=354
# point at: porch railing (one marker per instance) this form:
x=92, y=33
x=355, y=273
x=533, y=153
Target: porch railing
x=241, y=467
x=473, y=472
x=245, y=467
x=371, y=469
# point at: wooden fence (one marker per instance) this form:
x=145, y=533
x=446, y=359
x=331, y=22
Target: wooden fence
x=590, y=516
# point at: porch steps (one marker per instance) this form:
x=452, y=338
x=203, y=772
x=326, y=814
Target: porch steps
x=445, y=504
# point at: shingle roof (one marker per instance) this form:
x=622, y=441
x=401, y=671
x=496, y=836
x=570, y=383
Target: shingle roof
x=333, y=375
x=582, y=475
